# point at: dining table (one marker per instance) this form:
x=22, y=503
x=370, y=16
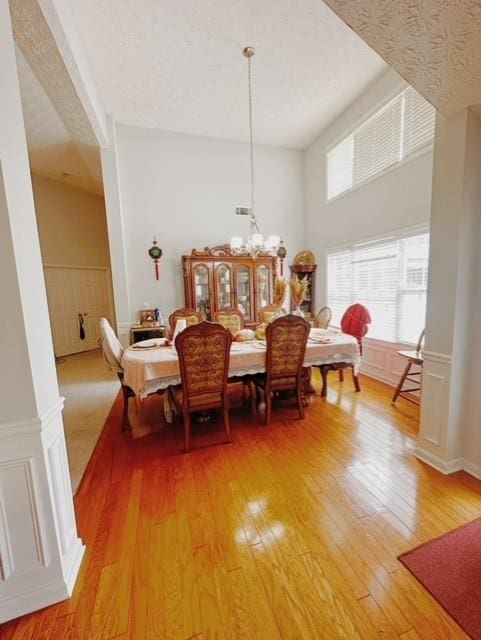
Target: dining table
x=152, y=366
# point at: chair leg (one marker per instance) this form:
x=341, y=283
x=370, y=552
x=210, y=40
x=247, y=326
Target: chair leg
x=401, y=381
x=254, y=397
x=341, y=375
x=324, y=372
x=187, y=423
x=268, y=402
x=227, y=423
x=125, y=409
x=355, y=379
x=300, y=403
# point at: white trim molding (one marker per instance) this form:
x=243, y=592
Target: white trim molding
x=434, y=356
x=444, y=466
x=35, y=424
x=40, y=551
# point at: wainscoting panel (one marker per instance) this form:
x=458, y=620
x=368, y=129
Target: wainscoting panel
x=64, y=512
x=23, y=549
x=381, y=361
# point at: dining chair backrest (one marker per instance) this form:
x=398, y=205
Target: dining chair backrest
x=111, y=347
x=356, y=321
x=420, y=342
x=323, y=318
x=286, y=339
x=204, y=351
x=191, y=317
x=230, y=318
x=270, y=312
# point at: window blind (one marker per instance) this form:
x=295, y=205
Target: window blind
x=395, y=132
x=389, y=277
x=419, y=122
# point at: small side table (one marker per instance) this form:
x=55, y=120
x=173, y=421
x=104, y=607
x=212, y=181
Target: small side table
x=146, y=333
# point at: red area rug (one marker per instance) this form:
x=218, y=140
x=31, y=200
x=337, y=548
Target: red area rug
x=449, y=567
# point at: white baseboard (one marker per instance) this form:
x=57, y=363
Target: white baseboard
x=77, y=555
x=443, y=466
x=377, y=375
x=472, y=469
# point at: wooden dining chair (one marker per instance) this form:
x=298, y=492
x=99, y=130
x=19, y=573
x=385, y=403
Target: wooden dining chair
x=323, y=318
x=204, y=352
x=355, y=322
x=230, y=318
x=270, y=312
x=112, y=352
x=414, y=359
x=286, y=348
x=191, y=317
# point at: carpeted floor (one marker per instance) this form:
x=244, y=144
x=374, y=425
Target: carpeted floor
x=449, y=567
x=89, y=388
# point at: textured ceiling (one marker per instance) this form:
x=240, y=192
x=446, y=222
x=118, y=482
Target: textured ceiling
x=177, y=65
x=434, y=45
x=52, y=150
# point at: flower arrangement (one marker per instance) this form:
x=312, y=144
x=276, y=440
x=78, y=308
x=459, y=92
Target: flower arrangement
x=280, y=290
x=298, y=290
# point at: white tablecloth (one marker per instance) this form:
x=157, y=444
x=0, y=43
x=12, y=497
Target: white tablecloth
x=149, y=370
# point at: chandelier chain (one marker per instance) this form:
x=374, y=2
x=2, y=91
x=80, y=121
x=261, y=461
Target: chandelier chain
x=251, y=134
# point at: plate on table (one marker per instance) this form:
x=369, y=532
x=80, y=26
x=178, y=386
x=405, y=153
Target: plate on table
x=320, y=340
x=149, y=344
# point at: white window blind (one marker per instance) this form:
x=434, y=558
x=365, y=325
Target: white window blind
x=402, y=127
x=389, y=277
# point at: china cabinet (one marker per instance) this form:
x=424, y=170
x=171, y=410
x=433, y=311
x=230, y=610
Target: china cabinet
x=307, y=271
x=215, y=279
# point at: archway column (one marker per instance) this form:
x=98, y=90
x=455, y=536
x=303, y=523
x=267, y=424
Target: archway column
x=450, y=406
x=40, y=551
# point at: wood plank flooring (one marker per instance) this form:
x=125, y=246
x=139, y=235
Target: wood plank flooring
x=290, y=532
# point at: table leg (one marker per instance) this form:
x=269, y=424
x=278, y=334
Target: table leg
x=324, y=372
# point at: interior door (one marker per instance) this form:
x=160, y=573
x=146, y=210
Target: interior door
x=76, y=297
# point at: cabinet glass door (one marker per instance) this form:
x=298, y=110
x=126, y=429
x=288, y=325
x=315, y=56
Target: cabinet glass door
x=224, y=286
x=263, y=286
x=201, y=289
x=243, y=289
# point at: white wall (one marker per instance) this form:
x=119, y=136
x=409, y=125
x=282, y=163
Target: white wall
x=397, y=199
x=71, y=223
x=184, y=190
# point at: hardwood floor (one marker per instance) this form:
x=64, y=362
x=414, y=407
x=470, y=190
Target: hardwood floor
x=290, y=532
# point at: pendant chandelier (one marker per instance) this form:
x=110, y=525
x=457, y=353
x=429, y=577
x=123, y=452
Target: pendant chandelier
x=255, y=241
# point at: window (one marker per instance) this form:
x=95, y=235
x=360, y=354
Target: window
x=389, y=277
x=397, y=131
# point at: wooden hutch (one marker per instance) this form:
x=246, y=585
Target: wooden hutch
x=304, y=267
x=216, y=278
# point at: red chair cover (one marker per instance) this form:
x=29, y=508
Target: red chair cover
x=355, y=321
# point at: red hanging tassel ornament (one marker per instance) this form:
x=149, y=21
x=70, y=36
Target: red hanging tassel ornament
x=155, y=252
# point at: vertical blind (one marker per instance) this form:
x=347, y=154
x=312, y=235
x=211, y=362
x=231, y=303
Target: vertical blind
x=389, y=277
x=402, y=127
